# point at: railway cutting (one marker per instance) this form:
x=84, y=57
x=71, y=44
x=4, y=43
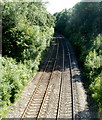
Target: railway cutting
x=58, y=91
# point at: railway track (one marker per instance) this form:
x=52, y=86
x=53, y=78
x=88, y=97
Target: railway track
x=34, y=105
x=65, y=102
x=57, y=93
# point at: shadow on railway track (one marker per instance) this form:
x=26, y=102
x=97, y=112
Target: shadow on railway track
x=87, y=115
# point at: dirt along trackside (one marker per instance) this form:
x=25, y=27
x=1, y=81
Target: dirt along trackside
x=57, y=90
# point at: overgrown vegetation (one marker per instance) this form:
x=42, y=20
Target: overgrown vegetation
x=27, y=32
x=82, y=25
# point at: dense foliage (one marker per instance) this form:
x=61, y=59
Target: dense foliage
x=27, y=32
x=82, y=26
x=27, y=28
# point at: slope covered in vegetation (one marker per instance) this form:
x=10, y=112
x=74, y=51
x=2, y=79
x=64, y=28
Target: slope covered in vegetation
x=27, y=32
x=82, y=25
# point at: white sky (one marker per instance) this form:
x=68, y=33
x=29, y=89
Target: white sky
x=58, y=5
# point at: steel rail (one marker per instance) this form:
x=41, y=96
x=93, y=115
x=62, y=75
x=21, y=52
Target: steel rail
x=60, y=83
x=71, y=82
x=73, y=85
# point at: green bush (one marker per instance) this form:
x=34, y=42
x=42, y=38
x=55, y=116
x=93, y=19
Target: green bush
x=14, y=77
x=26, y=28
x=96, y=87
